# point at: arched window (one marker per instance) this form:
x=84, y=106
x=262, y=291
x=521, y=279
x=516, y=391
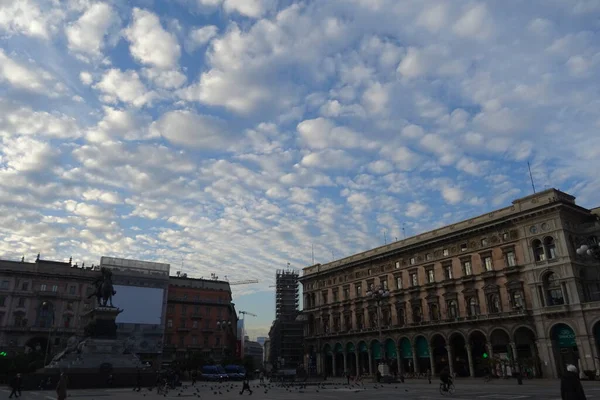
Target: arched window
x=538, y=251
x=417, y=316
x=517, y=299
x=550, y=248
x=494, y=303
x=554, y=293
x=473, y=307
x=452, y=309
x=434, y=312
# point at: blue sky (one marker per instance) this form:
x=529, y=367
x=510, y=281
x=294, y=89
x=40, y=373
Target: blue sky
x=230, y=136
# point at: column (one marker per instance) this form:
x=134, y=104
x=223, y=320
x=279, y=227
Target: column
x=431, y=361
x=356, y=355
x=399, y=361
x=513, y=349
x=489, y=349
x=319, y=365
x=416, y=368
x=470, y=358
x=370, y=362
x=345, y=362
x=333, y=364
x=450, y=359
x=595, y=353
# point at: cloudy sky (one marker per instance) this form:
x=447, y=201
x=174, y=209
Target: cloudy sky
x=230, y=136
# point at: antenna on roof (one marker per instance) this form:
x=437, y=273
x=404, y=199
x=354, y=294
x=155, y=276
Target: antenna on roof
x=384, y=237
x=313, y=253
x=531, y=176
x=403, y=231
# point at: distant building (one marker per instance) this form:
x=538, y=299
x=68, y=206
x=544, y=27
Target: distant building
x=286, y=333
x=262, y=340
x=41, y=304
x=255, y=350
x=200, y=318
x=266, y=353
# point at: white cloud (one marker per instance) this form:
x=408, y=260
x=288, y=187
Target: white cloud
x=380, y=167
x=415, y=210
x=172, y=79
x=413, y=65
x=86, y=78
x=150, y=44
x=329, y=159
x=27, y=78
x=187, y=128
x=321, y=133
x=87, y=34
x=475, y=23
x=124, y=86
x=102, y=196
x=117, y=123
x=452, y=195
x=25, y=154
x=248, y=8
x=199, y=37
x=434, y=17
x=27, y=18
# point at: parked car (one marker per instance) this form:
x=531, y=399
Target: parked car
x=235, y=372
x=213, y=373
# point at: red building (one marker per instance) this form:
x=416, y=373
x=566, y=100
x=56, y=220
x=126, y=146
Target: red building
x=200, y=318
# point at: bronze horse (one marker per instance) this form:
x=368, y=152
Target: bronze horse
x=104, y=289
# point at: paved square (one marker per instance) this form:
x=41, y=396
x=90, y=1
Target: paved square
x=413, y=390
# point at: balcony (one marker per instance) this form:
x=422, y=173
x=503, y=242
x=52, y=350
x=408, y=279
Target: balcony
x=47, y=293
x=14, y=328
x=468, y=278
x=556, y=311
x=515, y=269
x=196, y=316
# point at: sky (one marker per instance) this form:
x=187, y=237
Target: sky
x=235, y=136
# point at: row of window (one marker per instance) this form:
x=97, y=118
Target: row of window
x=445, y=252
x=196, y=310
x=5, y=285
x=448, y=271
x=194, y=340
x=417, y=315
x=185, y=297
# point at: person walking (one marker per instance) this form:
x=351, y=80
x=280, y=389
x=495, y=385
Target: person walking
x=14, y=386
x=138, y=381
x=348, y=376
x=570, y=385
x=246, y=386
x=428, y=373
x=61, y=387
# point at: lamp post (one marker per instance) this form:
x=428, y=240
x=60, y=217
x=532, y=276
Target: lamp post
x=590, y=250
x=45, y=306
x=378, y=295
x=224, y=326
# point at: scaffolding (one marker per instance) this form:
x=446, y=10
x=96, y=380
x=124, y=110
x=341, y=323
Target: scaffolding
x=286, y=332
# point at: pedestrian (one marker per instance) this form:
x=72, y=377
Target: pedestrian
x=246, y=386
x=194, y=377
x=570, y=385
x=378, y=376
x=61, y=387
x=261, y=376
x=138, y=381
x=429, y=375
x=14, y=386
x=348, y=376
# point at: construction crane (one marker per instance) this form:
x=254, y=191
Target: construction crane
x=244, y=313
x=246, y=282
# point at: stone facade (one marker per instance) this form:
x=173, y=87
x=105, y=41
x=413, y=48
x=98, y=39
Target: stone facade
x=501, y=291
x=42, y=302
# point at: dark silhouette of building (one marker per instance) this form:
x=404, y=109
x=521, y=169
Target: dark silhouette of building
x=286, y=332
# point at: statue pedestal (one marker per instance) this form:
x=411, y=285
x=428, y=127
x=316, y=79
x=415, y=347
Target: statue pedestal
x=100, y=350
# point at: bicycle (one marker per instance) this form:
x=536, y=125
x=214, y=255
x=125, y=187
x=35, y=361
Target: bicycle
x=447, y=389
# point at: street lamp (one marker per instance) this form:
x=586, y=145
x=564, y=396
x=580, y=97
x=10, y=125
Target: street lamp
x=45, y=305
x=378, y=295
x=590, y=250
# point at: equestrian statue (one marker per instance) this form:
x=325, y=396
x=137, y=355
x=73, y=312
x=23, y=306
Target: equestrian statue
x=104, y=289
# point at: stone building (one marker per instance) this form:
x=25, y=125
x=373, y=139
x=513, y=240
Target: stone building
x=41, y=303
x=500, y=291
x=200, y=318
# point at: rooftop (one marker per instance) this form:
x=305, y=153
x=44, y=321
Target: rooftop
x=519, y=205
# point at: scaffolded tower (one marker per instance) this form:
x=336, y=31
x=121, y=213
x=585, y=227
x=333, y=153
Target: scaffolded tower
x=286, y=332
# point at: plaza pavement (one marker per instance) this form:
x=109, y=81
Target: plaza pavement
x=466, y=389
